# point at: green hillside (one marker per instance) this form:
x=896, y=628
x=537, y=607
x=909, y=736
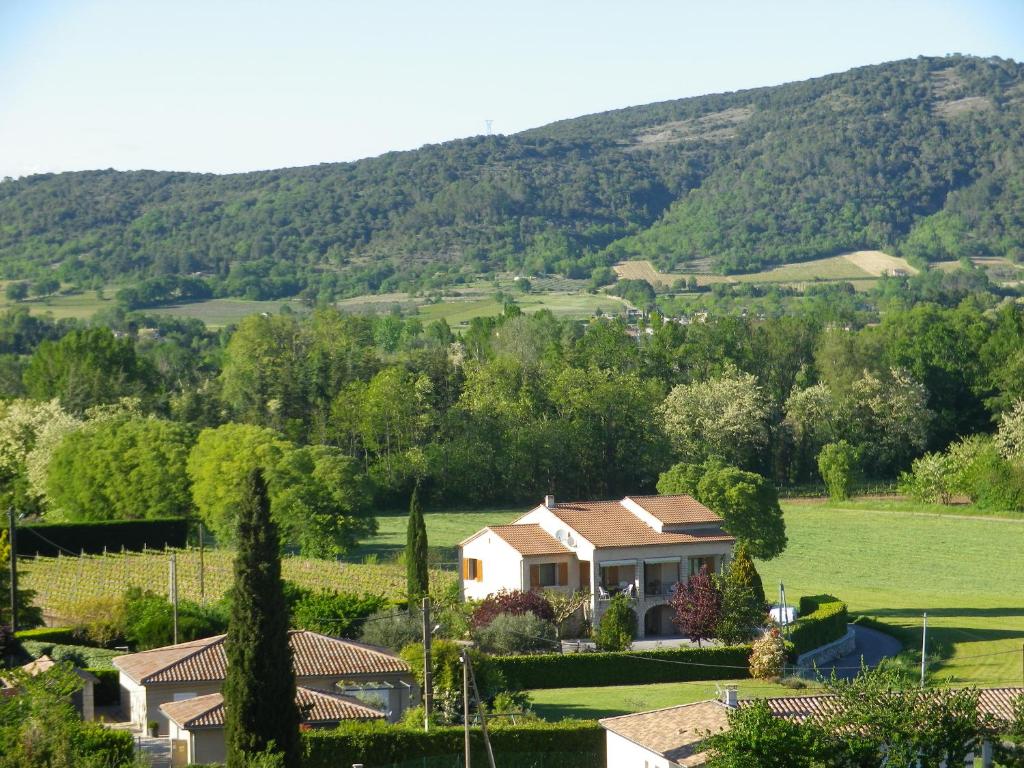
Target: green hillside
x=920, y=157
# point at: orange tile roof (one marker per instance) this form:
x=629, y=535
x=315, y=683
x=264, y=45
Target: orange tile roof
x=676, y=509
x=317, y=707
x=529, y=539
x=675, y=732
x=609, y=524
x=205, y=660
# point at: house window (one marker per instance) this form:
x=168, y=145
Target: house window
x=549, y=575
x=472, y=570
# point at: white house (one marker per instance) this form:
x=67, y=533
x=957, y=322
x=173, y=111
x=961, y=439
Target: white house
x=197, y=724
x=642, y=546
x=375, y=676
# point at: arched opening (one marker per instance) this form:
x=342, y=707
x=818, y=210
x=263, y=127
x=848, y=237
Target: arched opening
x=658, y=622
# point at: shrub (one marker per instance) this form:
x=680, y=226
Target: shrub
x=768, y=655
x=512, y=602
x=837, y=463
x=511, y=633
x=99, y=621
x=617, y=627
x=340, y=614
x=823, y=620
x=392, y=629
x=106, y=746
x=149, y=620
x=567, y=744
x=558, y=670
x=992, y=482
x=930, y=479
x=446, y=666
x=1010, y=435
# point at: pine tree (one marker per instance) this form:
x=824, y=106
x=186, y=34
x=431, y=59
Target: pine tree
x=417, y=578
x=259, y=690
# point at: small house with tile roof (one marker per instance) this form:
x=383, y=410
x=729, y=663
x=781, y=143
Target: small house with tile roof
x=642, y=546
x=197, y=668
x=197, y=724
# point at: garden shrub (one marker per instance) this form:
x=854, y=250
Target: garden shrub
x=339, y=614
x=837, y=463
x=510, y=633
x=392, y=629
x=567, y=744
x=768, y=655
x=149, y=620
x=617, y=628
x=84, y=656
x=107, y=746
x=568, y=670
x=446, y=666
x=513, y=602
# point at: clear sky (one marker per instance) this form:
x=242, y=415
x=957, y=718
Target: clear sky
x=232, y=85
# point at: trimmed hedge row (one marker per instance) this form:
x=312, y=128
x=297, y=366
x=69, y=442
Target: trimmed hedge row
x=58, y=635
x=567, y=744
x=84, y=656
x=92, y=538
x=823, y=620
x=571, y=670
x=107, y=746
x=108, y=691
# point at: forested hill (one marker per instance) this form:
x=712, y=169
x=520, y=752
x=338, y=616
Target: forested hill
x=921, y=157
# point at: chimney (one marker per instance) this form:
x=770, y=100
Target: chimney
x=549, y=501
x=731, y=697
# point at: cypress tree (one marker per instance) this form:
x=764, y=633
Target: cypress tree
x=259, y=690
x=742, y=570
x=417, y=579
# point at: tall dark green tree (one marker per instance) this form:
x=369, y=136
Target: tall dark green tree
x=417, y=578
x=259, y=690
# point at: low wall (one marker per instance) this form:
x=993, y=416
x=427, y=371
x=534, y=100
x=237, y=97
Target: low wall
x=827, y=653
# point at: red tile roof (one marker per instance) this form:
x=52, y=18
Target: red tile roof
x=609, y=524
x=317, y=707
x=205, y=660
x=676, y=509
x=677, y=732
x=529, y=539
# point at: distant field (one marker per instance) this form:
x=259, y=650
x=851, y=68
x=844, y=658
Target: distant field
x=859, y=267
x=217, y=313
x=82, y=305
x=581, y=305
x=444, y=529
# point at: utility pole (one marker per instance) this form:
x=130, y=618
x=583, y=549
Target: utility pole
x=465, y=705
x=428, y=682
x=483, y=715
x=202, y=568
x=174, y=594
x=924, y=647
x=12, y=539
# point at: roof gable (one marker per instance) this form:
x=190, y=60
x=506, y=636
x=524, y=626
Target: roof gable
x=314, y=655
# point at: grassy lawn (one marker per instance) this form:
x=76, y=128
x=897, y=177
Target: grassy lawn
x=895, y=560
x=444, y=530
x=82, y=305
x=560, y=703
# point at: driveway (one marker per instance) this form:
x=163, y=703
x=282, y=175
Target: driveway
x=871, y=645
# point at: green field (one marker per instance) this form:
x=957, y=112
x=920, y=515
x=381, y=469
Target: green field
x=559, y=703
x=581, y=305
x=217, y=313
x=80, y=305
x=444, y=530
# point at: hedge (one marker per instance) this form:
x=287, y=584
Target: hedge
x=49, y=539
x=58, y=635
x=823, y=620
x=376, y=744
x=108, y=690
x=80, y=655
x=571, y=670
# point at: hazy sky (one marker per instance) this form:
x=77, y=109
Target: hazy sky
x=226, y=85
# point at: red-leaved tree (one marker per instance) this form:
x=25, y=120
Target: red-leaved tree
x=514, y=602
x=698, y=607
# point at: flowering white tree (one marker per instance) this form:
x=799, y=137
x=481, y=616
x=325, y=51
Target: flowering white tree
x=1010, y=436
x=725, y=417
x=890, y=416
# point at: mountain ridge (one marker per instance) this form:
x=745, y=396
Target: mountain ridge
x=921, y=157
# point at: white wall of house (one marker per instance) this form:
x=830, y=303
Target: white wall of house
x=502, y=566
x=205, y=745
x=623, y=753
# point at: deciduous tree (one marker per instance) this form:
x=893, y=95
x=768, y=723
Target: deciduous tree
x=698, y=607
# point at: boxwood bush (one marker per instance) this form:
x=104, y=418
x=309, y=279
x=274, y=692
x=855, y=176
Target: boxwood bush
x=567, y=744
x=569, y=670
